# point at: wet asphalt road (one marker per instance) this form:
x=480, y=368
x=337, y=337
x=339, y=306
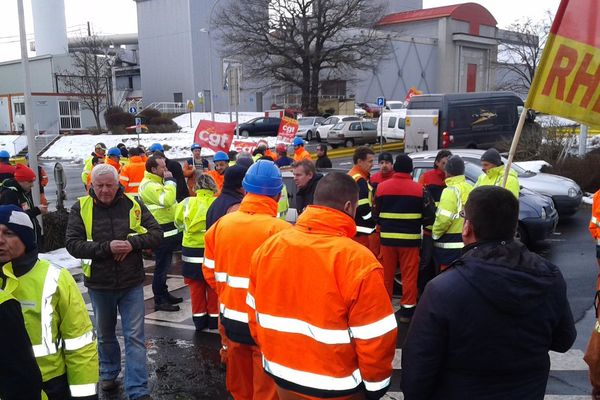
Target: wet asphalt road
x=184, y=364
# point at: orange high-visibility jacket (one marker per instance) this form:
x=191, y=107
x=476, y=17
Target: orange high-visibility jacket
x=301, y=154
x=115, y=164
x=323, y=325
x=229, y=245
x=595, y=221
x=132, y=174
x=218, y=178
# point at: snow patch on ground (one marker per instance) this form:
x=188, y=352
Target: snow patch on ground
x=77, y=148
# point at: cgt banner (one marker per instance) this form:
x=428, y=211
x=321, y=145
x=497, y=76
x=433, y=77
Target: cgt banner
x=287, y=130
x=246, y=146
x=567, y=81
x=214, y=135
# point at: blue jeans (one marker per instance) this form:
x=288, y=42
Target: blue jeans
x=164, y=257
x=130, y=304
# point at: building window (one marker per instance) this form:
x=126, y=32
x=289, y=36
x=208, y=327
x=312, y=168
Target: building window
x=178, y=97
x=70, y=117
x=19, y=108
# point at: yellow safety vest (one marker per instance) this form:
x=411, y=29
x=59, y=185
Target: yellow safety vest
x=86, y=205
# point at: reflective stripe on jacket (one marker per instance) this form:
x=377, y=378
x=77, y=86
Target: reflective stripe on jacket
x=226, y=265
x=160, y=198
x=495, y=177
x=86, y=205
x=400, y=208
x=325, y=327
x=58, y=325
x=132, y=174
x=595, y=220
x=447, y=218
x=365, y=223
x=284, y=204
x=190, y=217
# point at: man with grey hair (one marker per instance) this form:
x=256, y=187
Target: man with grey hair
x=108, y=230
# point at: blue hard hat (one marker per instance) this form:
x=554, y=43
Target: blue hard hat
x=156, y=147
x=114, y=151
x=4, y=154
x=298, y=141
x=196, y=146
x=220, y=156
x=264, y=178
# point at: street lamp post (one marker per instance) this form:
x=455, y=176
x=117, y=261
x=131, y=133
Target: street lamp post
x=210, y=60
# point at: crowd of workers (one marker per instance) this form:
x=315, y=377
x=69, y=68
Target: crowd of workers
x=290, y=328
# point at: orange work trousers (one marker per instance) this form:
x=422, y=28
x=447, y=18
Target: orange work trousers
x=245, y=377
x=289, y=395
x=204, y=299
x=369, y=241
x=408, y=260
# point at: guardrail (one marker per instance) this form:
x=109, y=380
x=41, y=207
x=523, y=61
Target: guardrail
x=339, y=153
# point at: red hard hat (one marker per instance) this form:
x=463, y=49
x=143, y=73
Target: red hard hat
x=281, y=148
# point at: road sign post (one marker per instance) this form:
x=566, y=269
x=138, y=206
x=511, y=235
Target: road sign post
x=190, y=107
x=138, y=128
x=381, y=104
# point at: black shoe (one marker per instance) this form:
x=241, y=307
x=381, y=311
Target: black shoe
x=174, y=300
x=213, y=322
x=109, y=385
x=165, y=307
x=144, y=397
x=406, y=314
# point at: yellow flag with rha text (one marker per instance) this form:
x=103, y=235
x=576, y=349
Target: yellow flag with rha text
x=567, y=81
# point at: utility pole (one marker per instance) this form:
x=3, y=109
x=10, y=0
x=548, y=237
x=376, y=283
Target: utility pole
x=31, y=148
x=89, y=29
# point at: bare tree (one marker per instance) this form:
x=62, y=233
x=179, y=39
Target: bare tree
x=90, y=75
x=301, y=42
x=521, y=52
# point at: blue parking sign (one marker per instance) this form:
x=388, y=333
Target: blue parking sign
x=138, y=121
x=132, y=110
x=381, y=101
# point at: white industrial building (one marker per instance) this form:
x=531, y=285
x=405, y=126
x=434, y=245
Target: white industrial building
x=443, y=49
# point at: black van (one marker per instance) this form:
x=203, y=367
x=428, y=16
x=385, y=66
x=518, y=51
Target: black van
x=468, y=120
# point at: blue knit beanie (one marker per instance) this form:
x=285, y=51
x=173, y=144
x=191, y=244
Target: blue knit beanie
x=17, y=221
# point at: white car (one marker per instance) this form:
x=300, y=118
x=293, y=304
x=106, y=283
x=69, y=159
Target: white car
x=394, y=105
x=332, y=121
x=307, y=127
x=393, y=125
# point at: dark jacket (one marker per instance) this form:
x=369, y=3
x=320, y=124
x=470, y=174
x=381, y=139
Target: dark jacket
x=182, y=189
x=12, y=193
x=323, y=162
x=111, y=223
x=219, y=207
x=305, y=195
x=20, y=376
x=483, y=329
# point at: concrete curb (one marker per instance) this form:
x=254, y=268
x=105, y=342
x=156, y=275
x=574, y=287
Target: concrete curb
x=349, y=151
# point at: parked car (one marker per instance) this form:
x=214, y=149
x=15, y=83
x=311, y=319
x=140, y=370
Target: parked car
x=537, y=215
x=565, y=193
x=393, y=125
x=394, y=105
x=307, y=127
x=332, y=121
x=261, y=126
x=371, y=108
x=352, y=133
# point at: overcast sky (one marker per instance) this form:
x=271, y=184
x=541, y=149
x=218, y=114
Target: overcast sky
x=119, y=16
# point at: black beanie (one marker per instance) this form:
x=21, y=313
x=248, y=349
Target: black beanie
x=385, y=157
x=403, y=164
x=492, y=156
x=233, y=177
x=455, y=166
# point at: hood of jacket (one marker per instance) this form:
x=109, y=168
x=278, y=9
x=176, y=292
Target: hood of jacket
x=497, y=172
x=507, y=275
x=310, y=186
x=325, y=220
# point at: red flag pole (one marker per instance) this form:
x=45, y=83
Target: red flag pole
x=513, y=146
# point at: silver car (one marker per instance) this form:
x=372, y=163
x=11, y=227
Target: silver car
x=307, y=127
x=332, y=121
x=565, y=193
x=352, y=133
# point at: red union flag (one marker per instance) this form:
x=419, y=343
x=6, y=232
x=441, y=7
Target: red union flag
x=214, y=135
x=244, y=146
x=413, y=91
x=287, y=130
x=567, y=81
